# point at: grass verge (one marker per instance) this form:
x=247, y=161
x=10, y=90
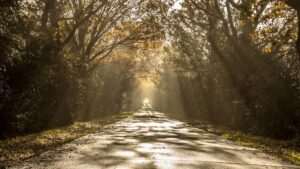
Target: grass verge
x=23, y=147
x=288, y=150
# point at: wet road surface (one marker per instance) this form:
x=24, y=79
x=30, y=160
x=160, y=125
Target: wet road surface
x=150, y=140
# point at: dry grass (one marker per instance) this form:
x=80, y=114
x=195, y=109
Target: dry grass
x=285, y=149
x=24, y=147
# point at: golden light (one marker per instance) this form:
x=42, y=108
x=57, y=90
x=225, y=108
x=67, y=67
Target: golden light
x=146, y=101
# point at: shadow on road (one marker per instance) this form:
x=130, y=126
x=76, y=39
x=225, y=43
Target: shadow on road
x=149, y=140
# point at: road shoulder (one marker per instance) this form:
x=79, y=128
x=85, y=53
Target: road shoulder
x=18, y=149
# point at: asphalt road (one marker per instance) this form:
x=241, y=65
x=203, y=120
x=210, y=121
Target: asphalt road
x=149, y=140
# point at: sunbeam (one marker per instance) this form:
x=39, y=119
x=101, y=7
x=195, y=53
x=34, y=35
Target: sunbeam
x=145, y=83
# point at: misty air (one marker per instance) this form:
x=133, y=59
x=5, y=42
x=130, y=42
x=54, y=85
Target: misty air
x=150, y=84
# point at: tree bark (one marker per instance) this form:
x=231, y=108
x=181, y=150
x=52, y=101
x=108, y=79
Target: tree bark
x=298, y=39
x=49, y=11
x=295, y=4
x=45, y=15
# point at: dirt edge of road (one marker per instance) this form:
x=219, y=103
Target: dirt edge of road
x=288, y=150
x=14, y=150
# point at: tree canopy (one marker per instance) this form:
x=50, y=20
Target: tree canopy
x=236, y=62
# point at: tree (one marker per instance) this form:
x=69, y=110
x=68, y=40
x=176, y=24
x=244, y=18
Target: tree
x=296, y=6
x=56, y=56
x=238, y=40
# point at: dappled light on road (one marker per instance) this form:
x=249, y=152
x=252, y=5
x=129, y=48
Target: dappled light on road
x=149, y=84
x=149, y=139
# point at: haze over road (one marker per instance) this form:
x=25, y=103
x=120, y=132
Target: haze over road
x=150, y=140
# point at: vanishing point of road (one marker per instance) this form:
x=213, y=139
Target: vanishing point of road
x=150, y=140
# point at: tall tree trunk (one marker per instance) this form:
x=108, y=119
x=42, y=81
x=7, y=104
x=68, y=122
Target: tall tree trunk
x=49, y=11
x=295, y=4
x=298, y=40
